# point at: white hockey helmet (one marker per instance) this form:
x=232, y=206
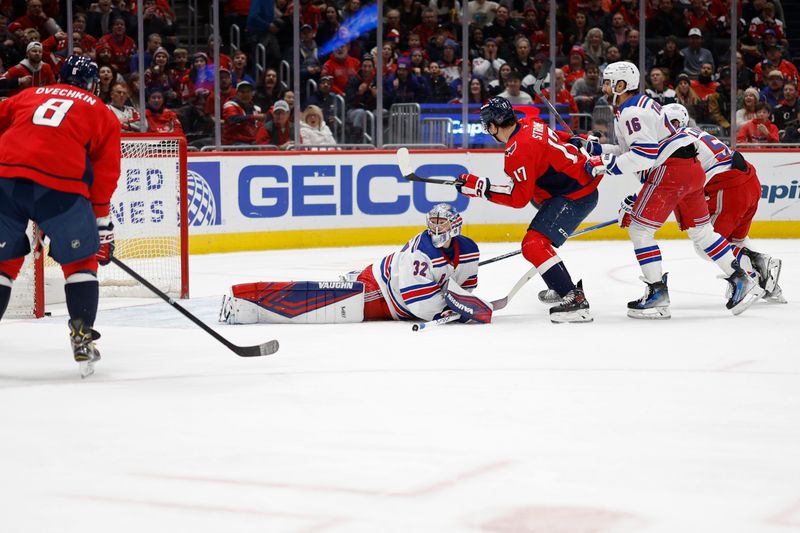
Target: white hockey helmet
x=444, y=223
x=621, y=71
x=677, y=112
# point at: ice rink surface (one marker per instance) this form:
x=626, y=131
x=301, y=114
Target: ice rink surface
x=521, y=426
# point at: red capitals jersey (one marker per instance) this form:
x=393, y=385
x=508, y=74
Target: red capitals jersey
x=64, y=138
x=541, y=166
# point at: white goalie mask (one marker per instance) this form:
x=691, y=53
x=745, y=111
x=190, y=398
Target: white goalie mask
x=676, y=112
x=621, y=71
x=444, y=223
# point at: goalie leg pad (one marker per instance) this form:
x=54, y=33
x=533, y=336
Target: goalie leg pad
x=294, y=302
x=466, y=304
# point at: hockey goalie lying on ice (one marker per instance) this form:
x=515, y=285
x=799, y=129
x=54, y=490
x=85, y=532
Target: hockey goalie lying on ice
x=431, y=277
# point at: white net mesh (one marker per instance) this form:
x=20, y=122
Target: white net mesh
x=146, y=216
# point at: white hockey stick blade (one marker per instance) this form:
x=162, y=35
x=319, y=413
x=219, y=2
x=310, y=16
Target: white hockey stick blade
x=502, y=302
x=404, y=161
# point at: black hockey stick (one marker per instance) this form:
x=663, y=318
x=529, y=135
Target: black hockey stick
x=267, y=348
x=579, y=232
x=537, y=88
x=496, y=304
x=404, y=161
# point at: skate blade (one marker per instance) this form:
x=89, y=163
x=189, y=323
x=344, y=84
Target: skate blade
x=573, y=316
x=774, y=272
x=549, y=297
x=653, y=313
x=750, y=298
x=86, y=368
x=775, y=297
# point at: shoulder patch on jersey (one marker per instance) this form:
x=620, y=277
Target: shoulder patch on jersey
x=510, y=149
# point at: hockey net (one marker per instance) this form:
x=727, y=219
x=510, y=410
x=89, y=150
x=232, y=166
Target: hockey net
x=149, y=211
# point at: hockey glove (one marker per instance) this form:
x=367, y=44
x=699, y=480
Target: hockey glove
x=106, y=230
x=626, y=210
x=601, y=164
x=473, y=186
x=590, y=142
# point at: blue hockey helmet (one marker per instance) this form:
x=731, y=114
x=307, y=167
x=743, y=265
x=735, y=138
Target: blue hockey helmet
x=444, y=223
x=497, y=111
x=79, y=71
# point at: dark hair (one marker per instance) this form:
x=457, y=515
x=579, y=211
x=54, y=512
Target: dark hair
x=514, y=75
x=763, y=105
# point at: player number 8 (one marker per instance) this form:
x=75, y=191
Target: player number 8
x=52, y=112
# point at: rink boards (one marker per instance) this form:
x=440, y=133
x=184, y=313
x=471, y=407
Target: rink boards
x=247, y=201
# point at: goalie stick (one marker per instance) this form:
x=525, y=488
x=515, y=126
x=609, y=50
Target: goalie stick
x=267, y=348
x=496, y=304
x=575, y=234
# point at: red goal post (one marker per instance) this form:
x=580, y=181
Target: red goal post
x=150, y=212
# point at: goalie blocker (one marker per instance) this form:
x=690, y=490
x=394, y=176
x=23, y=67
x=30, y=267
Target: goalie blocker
x=323, y=302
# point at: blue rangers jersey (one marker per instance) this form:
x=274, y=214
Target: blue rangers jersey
x=645, y=136
x=411, y=279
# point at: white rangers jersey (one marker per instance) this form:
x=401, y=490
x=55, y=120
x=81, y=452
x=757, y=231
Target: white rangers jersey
x=411, y=279
x=714, y=155
x=645, y=136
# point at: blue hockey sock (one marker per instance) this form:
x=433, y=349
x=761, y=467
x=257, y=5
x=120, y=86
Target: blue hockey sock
x=557, y=277
x=82, y=298
x=5, y=296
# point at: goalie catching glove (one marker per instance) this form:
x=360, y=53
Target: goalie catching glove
x=105, y=229
x=473, y=186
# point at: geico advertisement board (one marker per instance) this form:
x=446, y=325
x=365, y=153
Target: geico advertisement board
x=323, y=190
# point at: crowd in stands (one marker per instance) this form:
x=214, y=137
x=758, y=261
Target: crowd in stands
x=686, y=54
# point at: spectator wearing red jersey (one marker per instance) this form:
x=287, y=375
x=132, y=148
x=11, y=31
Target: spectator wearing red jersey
x=41, y=74
x=160, y=119
x=122, y=46
x=36, y=18
x=427, y=28
x=342, y=67
x=774, y=61
x=575, y=69
x=766, y=21
x=226, y=92
x=200, y=77
x=224, y=59
x=760, y=129
x=277, y=131
x=102, y=55
x=158, y=18
x=241, y=118
x=704, y=84
x=310, y=14
x=697, y=15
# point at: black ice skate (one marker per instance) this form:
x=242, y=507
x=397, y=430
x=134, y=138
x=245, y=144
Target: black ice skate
x=82, y=339
x=654, y=304
x=743, y=290
x=573, y=307
x=549, y=296
x=769, y=271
